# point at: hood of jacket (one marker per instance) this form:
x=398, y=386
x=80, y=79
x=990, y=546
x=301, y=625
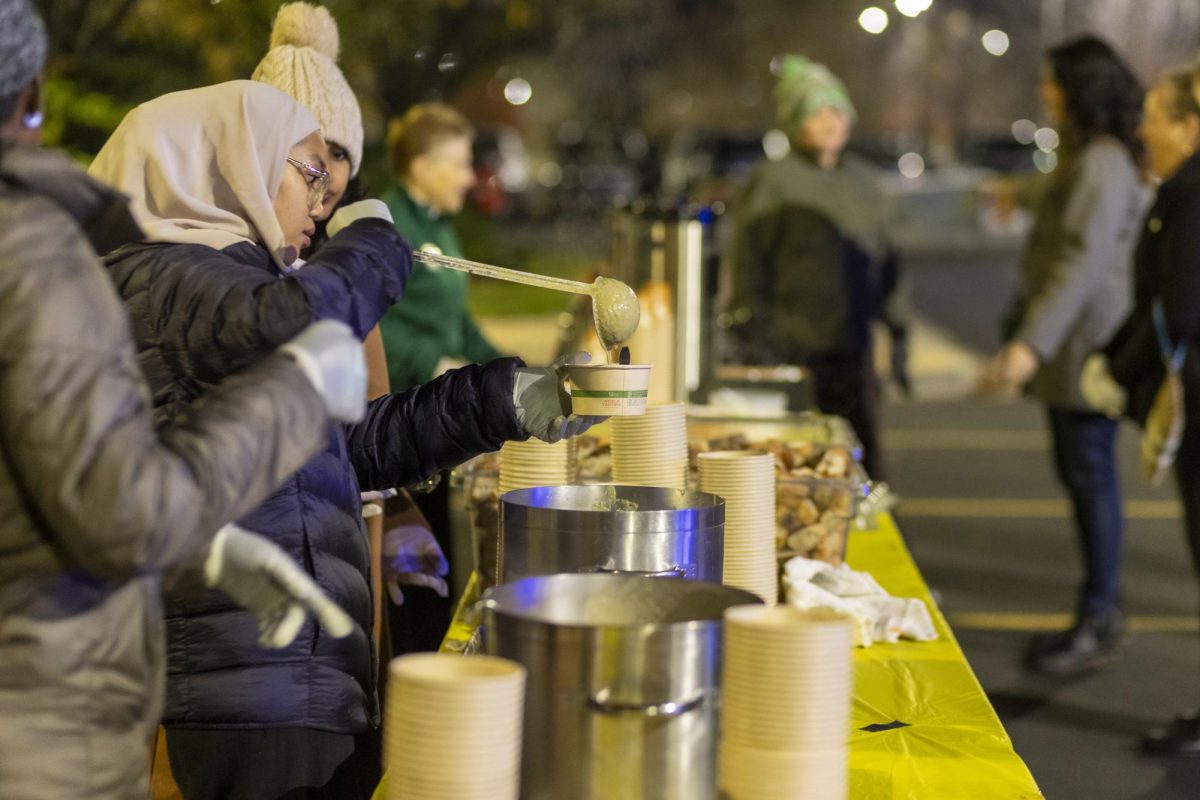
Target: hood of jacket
x=101, y=211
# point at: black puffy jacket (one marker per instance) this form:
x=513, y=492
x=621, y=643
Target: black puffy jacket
x=199, y=314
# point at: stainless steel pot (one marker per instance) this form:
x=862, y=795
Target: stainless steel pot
x=620, y=529
x=623, y=687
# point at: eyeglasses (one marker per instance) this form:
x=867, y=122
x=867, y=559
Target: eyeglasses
x=318, y=182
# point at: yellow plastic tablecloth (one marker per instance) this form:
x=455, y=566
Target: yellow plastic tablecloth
x=951, y=745
x=954, y=746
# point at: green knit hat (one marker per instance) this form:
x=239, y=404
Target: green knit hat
x=804, y=88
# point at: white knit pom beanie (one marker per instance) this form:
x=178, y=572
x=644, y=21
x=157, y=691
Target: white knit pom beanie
x=302, y=62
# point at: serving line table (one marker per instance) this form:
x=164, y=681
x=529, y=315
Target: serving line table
x=922, y=726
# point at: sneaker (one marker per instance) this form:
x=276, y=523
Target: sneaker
x=1181, y=738
x=1089, y=644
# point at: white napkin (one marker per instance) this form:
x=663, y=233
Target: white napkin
x=878, y=616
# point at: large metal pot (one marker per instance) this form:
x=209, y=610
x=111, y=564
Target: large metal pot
x=621, y=529
x=623, y=687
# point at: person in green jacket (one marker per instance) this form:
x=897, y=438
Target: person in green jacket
x=431, y=329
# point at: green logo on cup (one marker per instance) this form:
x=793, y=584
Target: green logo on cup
x=602, y=395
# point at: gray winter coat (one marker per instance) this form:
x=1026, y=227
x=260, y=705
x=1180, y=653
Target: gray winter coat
x=1076, y=285
x=94, y=500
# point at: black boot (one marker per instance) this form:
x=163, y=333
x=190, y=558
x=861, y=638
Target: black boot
x=1180, y=738
x=1089, y=644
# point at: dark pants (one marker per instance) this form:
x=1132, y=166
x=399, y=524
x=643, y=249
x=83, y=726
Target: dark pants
x=1187, y=475
x=1085, y=457
x=846, y=385
x=274, y=764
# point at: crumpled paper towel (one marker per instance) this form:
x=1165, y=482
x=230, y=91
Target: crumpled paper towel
x=878, y=617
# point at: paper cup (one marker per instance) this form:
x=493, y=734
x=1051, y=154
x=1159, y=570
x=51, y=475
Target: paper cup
x=524, y=465
x=609, y=390
x=748, y=773
x=441, y=705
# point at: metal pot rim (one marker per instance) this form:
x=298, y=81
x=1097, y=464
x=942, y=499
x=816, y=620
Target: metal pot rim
x=683, y=626
x=734, y=595
x=685, y=511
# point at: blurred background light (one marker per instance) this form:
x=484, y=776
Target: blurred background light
x=873, y=20
x=518, y=91
x=996, y=42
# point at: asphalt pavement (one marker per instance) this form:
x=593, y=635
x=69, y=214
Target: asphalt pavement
x=990, y=529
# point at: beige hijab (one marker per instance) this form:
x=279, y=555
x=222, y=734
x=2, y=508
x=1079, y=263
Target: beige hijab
x=203, y=166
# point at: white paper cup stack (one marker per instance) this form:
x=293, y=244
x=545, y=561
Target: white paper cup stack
x=524, y=465
x=453, y=727
x=651, y=450
x=747, y=482
x=787, y=693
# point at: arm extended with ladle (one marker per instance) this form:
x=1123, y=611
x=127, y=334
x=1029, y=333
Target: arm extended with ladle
x=615, y=308
x=504, y=273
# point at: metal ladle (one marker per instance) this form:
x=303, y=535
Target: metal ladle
x=606, y=295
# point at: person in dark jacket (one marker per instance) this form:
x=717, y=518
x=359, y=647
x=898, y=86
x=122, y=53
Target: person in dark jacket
x=216, y=286
x=96, y=500
x=1074, y=292
x=1166, y=272
x=812, y=264
x=302, y=62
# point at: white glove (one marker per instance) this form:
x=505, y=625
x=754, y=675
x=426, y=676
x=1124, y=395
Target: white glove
x=1099, y=389
x=363, y=209
x=378, y=495
x=412, y=557
x=261, y=578
x=331, y=356
x=543, y=403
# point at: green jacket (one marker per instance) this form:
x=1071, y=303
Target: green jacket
x=432, y=321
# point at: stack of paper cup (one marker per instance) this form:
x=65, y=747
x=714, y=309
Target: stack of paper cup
x=524, y=465
x=787, y=694
x=651, y=450
x=453, y=727
x=746, y=480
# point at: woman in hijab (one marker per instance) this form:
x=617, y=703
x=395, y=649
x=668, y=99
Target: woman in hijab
x=302, y=62
x=217, y=286
x=812, y=263
x=96, y=500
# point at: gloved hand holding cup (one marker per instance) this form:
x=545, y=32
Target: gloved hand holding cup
x=543, y=404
